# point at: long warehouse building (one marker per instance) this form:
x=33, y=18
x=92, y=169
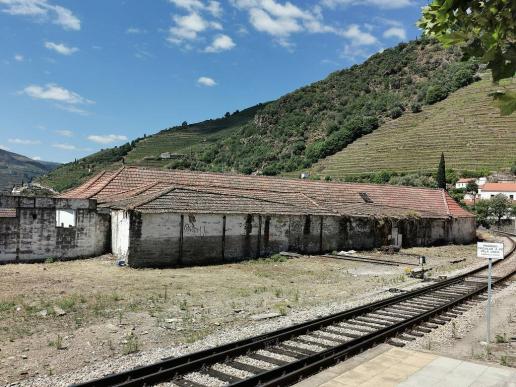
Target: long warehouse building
x=175, y=218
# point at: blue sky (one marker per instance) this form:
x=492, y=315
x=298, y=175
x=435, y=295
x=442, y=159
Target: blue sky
x=78, y=76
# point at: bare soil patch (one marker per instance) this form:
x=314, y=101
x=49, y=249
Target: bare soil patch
x=58, y=317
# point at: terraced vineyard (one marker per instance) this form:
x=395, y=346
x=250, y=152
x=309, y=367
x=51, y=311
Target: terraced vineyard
x=182, y=141
x=466, y=126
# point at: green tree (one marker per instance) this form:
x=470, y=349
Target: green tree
x=441, y=173
x=483, y=29
x=472, y=187
x=481, y=209
x=499, y=207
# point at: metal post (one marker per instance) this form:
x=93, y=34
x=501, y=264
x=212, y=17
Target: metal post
x=488, y=313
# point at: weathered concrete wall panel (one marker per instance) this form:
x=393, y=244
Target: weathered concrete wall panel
x=154, y=240
x=275, y=234
x=34, y=236
x=202, y=239
x=191, y=239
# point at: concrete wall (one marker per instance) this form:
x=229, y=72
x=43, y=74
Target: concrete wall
x=490, y=194
x=167, y=239
x=34, y=236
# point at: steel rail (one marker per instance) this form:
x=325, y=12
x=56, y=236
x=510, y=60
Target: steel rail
x=295, y=371
x=168, y=369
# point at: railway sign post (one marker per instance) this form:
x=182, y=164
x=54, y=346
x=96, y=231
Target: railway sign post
x=489, y=250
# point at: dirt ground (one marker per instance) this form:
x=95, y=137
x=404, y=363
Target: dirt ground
x=56, y=317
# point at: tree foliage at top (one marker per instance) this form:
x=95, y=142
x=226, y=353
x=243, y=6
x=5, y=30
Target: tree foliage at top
x=483, y=29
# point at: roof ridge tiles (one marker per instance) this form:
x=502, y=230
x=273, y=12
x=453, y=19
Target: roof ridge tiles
x=85, y=185
x=282, y=178
x=137, y=191
x=150, y=197
x=111, y=178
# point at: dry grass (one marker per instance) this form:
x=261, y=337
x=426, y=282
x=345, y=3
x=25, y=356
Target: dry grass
x=111, y=310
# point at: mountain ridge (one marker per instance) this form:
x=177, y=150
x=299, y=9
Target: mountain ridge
x=17, y=169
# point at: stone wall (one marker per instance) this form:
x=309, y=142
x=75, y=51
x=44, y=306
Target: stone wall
x=168, y=239
x=33, y=234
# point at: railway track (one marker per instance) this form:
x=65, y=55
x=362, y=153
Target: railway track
x=285, y=356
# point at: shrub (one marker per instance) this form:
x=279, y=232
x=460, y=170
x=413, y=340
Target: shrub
x=271, y=170
x=416, y=107
x=435, y=94
x=395, y=113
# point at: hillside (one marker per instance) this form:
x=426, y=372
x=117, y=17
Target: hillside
x=180, y=141
x=15, y=168
x=300, y=128
x=466, y=126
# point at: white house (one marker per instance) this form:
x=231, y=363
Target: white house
x=462, y=183
x=490, y=190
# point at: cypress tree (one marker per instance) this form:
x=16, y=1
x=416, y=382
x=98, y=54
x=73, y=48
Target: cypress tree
x=441, y=173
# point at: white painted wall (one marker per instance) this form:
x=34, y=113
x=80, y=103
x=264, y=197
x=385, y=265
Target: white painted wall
x=490, y=194
x=120, y=233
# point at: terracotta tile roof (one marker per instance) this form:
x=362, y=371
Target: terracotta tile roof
x=466, y=180
x=499, y=187
x=91, y=187
x=7, y=212
x=337, y=198
x=220, y=201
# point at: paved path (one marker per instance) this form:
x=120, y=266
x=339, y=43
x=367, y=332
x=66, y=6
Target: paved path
x=386, y=366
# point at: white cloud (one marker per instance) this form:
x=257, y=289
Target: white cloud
x=65, y=133
x=264, y=22
x=107, y=139
x=135, y=31
x=6, y=148
x=19, y=58
x=42, y=10
x=73, y=109
x=66, y=18
x=395, y=32
x=21, y=141
x=206, y=81
x=188, y=27
x=61, y=48
x=281, y=20
x=359, y=37
x=386, y=4
x=55, y=93
x=36, y=158
x=65, y=146
x=388, y=22
x=213, y=7
x=355, y=53
x=221, y=43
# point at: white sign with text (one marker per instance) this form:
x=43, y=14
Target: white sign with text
x=490, y=250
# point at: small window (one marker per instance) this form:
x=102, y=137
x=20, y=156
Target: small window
x=511, y=197
x=492, y=196
x=65, y=218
